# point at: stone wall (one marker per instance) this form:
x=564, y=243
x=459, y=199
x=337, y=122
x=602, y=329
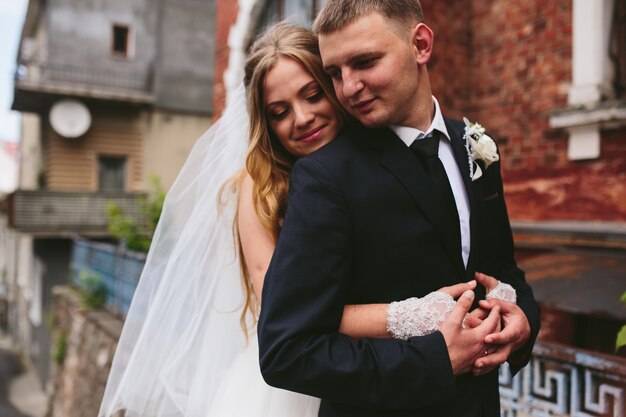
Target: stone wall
x=88, y=340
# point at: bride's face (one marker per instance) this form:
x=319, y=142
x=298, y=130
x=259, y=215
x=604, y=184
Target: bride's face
x=297, y=110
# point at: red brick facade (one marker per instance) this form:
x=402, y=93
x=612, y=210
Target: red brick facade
x=226, y=16
x=508, y=65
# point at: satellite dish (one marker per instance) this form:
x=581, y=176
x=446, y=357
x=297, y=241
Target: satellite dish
x=70, y=118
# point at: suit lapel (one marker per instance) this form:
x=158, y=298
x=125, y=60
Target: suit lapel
x=400, y=161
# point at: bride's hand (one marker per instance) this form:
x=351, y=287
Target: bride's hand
x=496, y=289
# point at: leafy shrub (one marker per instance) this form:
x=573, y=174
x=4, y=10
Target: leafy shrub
x=92, y=289
x=60, y=349
x=133, y=235
x=620, y=341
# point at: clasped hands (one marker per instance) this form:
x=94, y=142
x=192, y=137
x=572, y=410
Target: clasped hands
x=480, y=340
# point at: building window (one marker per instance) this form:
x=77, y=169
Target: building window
x=295, y=11
x=121, y=40
x=111, y=173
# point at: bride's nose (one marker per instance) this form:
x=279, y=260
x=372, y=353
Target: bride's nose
x=304, y=115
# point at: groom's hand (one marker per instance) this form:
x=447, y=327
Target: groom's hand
x=466, y=345
x=513, y=336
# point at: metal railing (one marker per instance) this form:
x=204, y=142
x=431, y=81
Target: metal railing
x=118, y=271
x=111, y=75
x=564, y=381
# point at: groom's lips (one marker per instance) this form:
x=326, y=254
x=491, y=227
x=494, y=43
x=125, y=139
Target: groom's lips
x=364, y=105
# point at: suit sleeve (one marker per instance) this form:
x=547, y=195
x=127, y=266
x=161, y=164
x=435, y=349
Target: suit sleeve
x=303, y=298
x=504, y=267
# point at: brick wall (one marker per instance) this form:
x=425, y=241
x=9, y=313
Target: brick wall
x=226, y=16
x=520, y=72
x=450, y=81
x=508, y=65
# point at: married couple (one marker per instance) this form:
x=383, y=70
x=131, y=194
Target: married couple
x=367, y=228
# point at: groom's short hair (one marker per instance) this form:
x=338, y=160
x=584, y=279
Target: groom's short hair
x=336, y=14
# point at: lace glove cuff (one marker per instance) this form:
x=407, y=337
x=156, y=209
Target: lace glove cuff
x=503, y=292
x=421, y=316
x=418, y=316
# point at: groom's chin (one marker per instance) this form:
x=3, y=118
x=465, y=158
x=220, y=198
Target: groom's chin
x=370, y=122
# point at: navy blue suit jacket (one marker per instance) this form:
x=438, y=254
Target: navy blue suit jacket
x=363, y=226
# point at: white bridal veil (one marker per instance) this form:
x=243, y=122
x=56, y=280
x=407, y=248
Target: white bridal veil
x=182, y=330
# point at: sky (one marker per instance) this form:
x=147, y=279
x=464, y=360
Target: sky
x=12, y=14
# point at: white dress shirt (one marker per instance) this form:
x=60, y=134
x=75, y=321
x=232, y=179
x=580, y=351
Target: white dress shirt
x=408, y=135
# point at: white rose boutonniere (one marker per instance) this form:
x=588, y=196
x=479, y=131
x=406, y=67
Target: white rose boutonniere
x=480, y=147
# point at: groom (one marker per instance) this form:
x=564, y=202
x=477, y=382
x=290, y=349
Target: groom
x=369, y=222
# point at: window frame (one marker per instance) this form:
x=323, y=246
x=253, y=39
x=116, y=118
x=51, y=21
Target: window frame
x=123, y=175
x=129, y=47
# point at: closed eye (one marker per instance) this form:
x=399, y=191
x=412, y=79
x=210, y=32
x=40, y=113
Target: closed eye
x=364, y=63
x=335, y=74
x=315, y=96
x=278, y=114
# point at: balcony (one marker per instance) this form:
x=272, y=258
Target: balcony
x=57, y=213
x=36, y=85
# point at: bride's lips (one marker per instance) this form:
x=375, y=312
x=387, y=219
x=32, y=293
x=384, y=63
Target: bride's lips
x=312, y=134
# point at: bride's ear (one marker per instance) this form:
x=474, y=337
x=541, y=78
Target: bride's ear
x=423, y=39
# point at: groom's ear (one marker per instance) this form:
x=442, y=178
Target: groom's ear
x=423, y=39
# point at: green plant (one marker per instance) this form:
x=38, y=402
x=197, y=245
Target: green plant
x=92, y=290
x=137, y=236
x=42, y=180
x=620, y=341
x=60, y=349
x=152, y=206
x=48, y=319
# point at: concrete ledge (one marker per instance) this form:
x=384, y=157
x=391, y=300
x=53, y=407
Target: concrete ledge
x=570, y=233
x=608, y=114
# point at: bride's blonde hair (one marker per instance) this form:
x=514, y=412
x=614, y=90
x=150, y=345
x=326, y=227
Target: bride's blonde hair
x=267, y=161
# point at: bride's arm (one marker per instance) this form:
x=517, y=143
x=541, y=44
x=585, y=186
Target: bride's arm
x=388, y=320
x=358, y=320
x=257, y=243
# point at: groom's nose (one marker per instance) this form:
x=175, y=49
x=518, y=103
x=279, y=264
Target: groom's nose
x=352, y=84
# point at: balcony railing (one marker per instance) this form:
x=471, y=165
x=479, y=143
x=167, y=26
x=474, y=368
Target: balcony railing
x=59, y=212
x=118, y=270
x=116, y=75
x=564, y=381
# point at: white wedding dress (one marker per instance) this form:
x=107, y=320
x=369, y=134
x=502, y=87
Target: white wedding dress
x=243, y=392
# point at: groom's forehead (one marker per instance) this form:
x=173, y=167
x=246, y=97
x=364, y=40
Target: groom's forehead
x=367, y=34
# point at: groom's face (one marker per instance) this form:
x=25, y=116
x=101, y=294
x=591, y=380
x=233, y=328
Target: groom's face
x=374, y=70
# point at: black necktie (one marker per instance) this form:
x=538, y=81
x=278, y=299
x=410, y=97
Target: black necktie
x=427, y=151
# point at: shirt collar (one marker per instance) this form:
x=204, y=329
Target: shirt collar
x=410, y=134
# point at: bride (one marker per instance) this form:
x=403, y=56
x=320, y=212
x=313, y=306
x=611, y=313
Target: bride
x=188, y=346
